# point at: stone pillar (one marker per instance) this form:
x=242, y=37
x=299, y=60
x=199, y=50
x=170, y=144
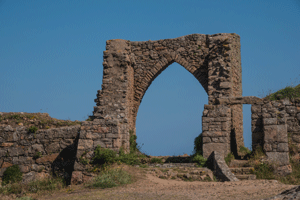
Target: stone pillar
x=257, y=126
x=275, y=135
x=114, y=101
x=225, y=77
x=216, y=126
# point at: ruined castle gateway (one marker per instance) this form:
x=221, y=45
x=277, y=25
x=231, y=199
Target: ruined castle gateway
x=130, y=67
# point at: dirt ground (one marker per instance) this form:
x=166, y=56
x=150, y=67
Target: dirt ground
x=149, y=187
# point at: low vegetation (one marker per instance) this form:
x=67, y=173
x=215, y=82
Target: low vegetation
x=288, y=92
x=229, y=158
x=110, y=178
x=37, y=186
x=12, y=175
x=200, y=160
x=34, y=121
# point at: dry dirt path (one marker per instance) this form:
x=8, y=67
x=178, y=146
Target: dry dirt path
x=151, y=187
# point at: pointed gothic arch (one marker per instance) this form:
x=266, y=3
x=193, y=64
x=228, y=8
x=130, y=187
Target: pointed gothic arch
x=130, y=67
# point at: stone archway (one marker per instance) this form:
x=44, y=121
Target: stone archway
x=130, y=67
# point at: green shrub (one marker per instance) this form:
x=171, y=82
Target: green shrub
x=129, y=159
x=111, y=178
x=198, y=145
x=156, y=160
x=12, y=174
x=37, y=155
x=229, y=158
x=200, y=160
x=32, y=129
x=132, y=141
x=103, y=156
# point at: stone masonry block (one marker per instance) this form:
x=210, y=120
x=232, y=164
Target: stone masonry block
x=282, y=133
x=268, y=147
x=270, y=133
x=205, y=126
x=208, y=148
x=255, y=108
x=270, y=121
x=206, y=140
x=283, y=147
x=280, y=158
x=85, y=144
x=214, y=134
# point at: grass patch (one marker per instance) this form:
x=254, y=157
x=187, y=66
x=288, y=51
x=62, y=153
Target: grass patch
x=264, y=171
x=110, y=178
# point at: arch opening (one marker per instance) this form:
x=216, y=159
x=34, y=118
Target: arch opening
x=169, y=117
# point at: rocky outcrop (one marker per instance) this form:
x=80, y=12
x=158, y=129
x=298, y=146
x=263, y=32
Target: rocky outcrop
x=290, y=194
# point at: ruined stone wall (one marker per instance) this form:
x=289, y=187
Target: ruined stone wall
x=291, y=110
x=40, y=153
x=275, y=134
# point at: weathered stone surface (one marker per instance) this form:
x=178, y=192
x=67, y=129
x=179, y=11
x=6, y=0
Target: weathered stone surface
x=283, y=147
x=6, y=164
x=270, y=133
x=280, y=158
x=238, y=100
x=52, y=148
x=30, y=176
x=77, y=178
x=48, y=158
x=85, y=144
x=214, y=134
x=208, y=148
x=290, y=194
x=283, y=170
x=270, y=121
x=15, y=151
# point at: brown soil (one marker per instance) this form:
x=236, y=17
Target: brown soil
x=148, y=186
x=39, y=120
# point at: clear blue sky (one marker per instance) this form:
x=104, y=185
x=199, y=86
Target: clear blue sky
x=51, y=55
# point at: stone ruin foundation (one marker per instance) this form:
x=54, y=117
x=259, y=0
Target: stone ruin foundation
x=128, y=70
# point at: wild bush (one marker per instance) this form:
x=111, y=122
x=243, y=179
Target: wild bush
x=12, y=174
x=103, y=155
x=198, y=145
x=200, y=160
